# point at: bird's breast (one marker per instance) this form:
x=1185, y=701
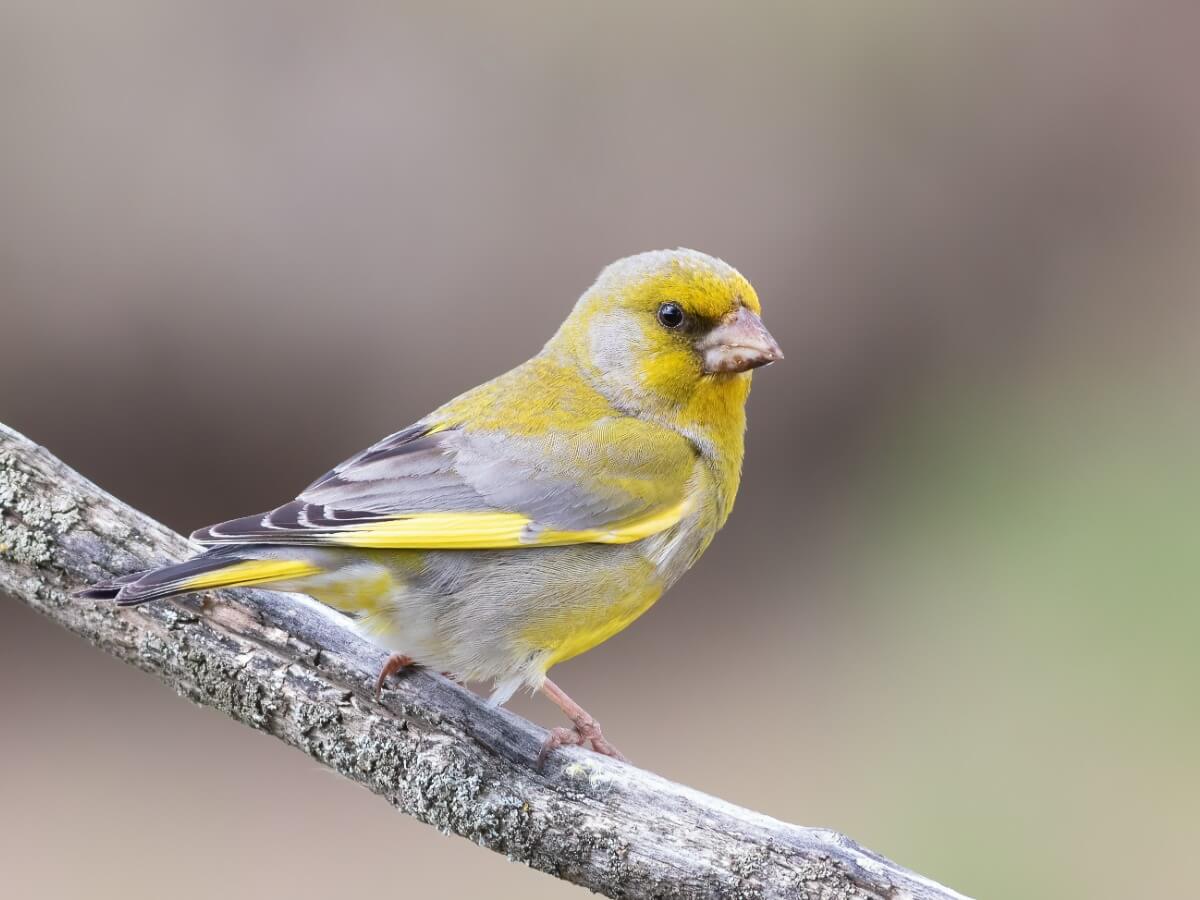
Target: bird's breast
x=673, y=551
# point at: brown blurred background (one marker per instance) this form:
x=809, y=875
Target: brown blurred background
x=955, y=612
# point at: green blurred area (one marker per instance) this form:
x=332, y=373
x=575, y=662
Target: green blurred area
x=1037, y=567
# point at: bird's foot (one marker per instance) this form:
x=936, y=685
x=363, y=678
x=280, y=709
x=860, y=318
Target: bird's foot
x=586, y=731
x=396, y=663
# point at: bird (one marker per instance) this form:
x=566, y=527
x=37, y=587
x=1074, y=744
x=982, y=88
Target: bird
x=534, y=516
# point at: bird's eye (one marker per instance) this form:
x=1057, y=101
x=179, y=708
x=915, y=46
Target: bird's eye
x=670, y=315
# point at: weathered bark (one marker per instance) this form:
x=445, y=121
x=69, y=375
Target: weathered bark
x=431, y=748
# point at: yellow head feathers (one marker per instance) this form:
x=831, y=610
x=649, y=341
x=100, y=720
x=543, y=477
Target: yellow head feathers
x=672, y=333
x=706, y=287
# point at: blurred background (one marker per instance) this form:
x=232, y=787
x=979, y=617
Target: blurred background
x=955, y=613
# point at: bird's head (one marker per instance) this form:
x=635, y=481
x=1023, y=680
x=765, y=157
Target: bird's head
x=670, y=332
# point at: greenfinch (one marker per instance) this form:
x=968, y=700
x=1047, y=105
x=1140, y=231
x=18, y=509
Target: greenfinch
x=536, y=515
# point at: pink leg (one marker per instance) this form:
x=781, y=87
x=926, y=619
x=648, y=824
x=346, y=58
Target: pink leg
x=586, y=730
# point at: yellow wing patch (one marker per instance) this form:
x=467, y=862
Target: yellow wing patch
x=495, y=531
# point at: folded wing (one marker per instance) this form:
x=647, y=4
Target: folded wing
x=616, y=482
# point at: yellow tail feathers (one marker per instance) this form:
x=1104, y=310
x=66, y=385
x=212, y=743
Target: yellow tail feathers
x=250, y=572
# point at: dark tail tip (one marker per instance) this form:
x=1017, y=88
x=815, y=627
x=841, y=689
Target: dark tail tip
x=111, y=590
x=106, y=591
x=136, y=601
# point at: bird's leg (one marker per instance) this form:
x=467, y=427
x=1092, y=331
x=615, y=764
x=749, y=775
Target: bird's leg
x=586, y=730
x=396, y=663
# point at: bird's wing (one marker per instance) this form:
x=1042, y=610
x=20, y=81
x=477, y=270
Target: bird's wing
x=615, y=482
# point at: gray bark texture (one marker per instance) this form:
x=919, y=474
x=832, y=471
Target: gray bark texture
x=430, y=747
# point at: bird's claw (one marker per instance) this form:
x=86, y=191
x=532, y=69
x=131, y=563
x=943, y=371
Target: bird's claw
x=586, y=731
x=396, y=663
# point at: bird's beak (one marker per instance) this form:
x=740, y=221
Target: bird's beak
x=739, y=343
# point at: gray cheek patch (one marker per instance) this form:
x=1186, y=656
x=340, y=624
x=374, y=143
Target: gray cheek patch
x=618, y=342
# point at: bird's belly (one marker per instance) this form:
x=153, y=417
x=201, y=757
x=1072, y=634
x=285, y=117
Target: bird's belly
x=490, y=614
x=572, y=631
x=497, y=611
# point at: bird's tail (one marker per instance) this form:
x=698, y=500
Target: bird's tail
x=222, y=568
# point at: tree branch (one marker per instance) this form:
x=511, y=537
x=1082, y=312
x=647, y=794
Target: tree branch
x=431, y=748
